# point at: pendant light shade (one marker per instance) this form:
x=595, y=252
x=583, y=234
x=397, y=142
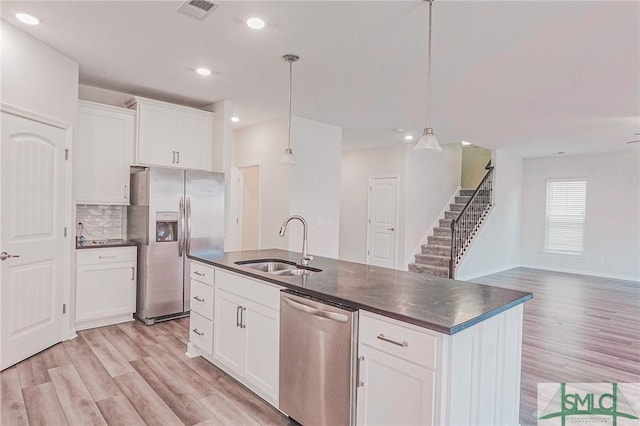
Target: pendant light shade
x=428, y=141
x=288, y=157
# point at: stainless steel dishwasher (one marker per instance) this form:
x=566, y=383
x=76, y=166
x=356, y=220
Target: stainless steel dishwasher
x=317, y=358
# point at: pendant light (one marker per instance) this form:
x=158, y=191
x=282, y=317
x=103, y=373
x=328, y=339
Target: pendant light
x=428, y=141
x=288, y=157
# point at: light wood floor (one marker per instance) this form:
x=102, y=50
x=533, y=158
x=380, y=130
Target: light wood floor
x=127, y=374
x=576, y=329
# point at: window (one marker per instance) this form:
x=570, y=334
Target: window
x=566, y=201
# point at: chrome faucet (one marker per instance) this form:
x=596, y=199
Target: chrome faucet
x=305, y=255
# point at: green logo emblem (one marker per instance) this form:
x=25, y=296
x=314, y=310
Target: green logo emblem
x=591, y=403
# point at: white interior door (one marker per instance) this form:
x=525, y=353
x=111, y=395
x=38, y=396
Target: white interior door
x=32, y=219
x=382, y=227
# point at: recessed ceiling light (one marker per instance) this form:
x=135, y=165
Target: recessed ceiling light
x=255, y=23
x=235, y=119
x=203, y=71
x=408, y=138
x=465, y=143
x=25, y=18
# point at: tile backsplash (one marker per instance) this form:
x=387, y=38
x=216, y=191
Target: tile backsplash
x=101, y=222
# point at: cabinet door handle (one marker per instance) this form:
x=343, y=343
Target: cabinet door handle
x=242, y=324
x=403, y=344
x=359, y=382
x=195, y=330
x=198, y=299
x=200, y=274
x=133, y=273
x=238, y=310
x=106, y=257
x=178, y=157
x=174, y=157
x=126, y=193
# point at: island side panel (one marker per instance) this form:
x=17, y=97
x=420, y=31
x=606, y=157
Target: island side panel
x=481, y=374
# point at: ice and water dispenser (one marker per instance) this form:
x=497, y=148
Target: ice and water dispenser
x=166, y=227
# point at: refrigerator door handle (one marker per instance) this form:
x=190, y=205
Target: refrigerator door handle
x=188, y=233
x=180, y=226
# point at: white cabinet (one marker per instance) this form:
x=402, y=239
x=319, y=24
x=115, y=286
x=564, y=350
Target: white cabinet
x=393, y=391
x=396, y=383
x=173, y=136
x=247, y=332
x=409, y=375
x=201, y=318
x=105, y=286
x=103, y=142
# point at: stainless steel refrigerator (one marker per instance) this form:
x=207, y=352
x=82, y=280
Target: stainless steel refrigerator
x=172, y=213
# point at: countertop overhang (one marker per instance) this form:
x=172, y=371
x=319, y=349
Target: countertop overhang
x=440, y=304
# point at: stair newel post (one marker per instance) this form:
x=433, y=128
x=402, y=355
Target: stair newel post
x=453, y=243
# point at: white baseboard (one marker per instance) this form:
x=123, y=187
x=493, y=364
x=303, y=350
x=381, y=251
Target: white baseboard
x=582, y=272
x=486, y=272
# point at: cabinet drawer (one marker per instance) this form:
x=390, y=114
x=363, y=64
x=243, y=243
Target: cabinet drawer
x=257, y=291
x=201, y=332
x=202, y=273
x=98, y=256
x=402, y=340
x=202, y=299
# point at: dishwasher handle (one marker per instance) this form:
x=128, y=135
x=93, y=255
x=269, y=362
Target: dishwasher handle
x=315, y=312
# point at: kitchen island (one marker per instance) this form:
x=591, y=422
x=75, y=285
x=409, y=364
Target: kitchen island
x=458, y=357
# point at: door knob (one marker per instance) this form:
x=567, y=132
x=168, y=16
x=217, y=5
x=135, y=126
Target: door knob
x=391, y=229
x=4, y=255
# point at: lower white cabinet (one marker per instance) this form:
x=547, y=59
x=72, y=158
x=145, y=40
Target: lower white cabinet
x=394, y=386
x=201, y=318
x=240, y=330
x=408, y=375
x=105, y=286
x=247, y=332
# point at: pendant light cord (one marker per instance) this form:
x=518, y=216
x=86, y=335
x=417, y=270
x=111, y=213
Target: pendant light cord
x=290, y=89
x=429, y=71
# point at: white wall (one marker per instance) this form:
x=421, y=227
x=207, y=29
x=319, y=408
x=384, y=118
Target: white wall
x=37, y=78
x=311, y=188
x=357, y=168
x=497, y=246
x=432, y=178
x=612, y=221
x=264, y=144
x=315, y=186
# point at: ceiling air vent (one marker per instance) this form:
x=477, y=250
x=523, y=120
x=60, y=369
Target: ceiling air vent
x=198, y=9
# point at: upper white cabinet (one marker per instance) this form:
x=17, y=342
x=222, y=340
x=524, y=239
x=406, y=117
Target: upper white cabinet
x=103, y=142
x=173, y=136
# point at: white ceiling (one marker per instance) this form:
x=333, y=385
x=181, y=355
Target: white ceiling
x=531, y=76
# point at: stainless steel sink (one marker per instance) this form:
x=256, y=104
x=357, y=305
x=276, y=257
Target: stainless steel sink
x=278, y=267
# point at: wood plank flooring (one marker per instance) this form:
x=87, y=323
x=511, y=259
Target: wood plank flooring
x=127, y=374
x=576, y=329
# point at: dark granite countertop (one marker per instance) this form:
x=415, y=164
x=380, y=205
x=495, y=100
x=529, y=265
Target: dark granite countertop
x=440, y=304
x=89, y=244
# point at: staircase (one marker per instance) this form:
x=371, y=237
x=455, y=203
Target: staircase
x=436, y=254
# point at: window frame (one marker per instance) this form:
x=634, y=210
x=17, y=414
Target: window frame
x=546, y=248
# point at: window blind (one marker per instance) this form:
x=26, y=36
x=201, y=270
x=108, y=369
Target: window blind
x=565, y=215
